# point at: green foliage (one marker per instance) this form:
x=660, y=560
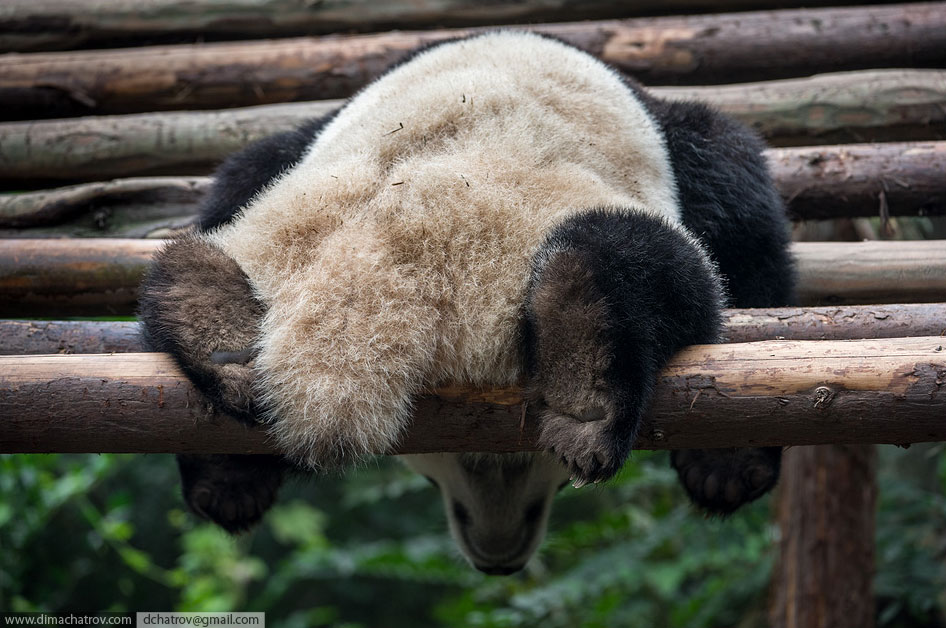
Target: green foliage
x=109, y=532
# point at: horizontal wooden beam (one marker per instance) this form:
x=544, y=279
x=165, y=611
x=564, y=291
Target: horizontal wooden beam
x=882, y=105
x=752, y=394
x=94, y=276
x=32, y=25
x=892, y=179
x=696, y=49
x=852, y=322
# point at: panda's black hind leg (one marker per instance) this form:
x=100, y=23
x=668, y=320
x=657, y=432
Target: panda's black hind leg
x=233, y=491
x=612, y=295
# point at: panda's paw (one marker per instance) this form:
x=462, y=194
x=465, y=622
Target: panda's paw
x=721, y=480
x=588, y=449
x=233, y=491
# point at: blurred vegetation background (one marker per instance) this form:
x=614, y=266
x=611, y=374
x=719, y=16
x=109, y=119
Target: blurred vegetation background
x=110, y=533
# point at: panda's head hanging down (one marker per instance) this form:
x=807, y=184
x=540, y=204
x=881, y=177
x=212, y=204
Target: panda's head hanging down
x=496, y=210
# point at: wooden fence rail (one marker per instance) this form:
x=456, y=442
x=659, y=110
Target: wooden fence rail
x=92, y=276
x=893, y=179
x=703, y=49
x=30, y=25
x=861, y=391
x=24, y=337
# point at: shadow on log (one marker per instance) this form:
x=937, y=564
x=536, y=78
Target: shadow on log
x=752, y=394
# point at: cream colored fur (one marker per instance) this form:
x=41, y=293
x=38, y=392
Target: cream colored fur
x=395, y=256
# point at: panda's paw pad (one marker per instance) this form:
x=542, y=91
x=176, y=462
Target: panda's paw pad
x=721, y=480
x=585, y=448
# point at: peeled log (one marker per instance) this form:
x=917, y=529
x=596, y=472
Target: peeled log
x=704, y=49
x=752, y=394
x=29, y=25
x=79, y=277
x=815, y=181
x=740, y=325
x=871, y=272
x=847, y=107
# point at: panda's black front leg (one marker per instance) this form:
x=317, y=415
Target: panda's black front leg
x=197, y=305
x=612, y=296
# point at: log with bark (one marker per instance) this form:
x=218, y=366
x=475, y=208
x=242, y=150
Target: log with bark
x=893, y=179
x=98, y=276
x=846, y=107
x=752, y=394
x=826, y=508
x=32, y=25
x=854, y=322
x=703, y=49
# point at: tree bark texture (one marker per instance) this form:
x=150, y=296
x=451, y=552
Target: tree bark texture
x=817, y=182
x=72, y=277
x=701, y=49
x=32, y=25
x=826, y=510
x=846, y=107
x=751, y=394
x=22, y=337
x=128, y=208
x=100, y=276
x=835, y=273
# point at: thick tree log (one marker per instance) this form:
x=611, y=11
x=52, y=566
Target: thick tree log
x=126, y=208
x=82, y=276
x=752, y=394
x=895, y=179
x=826, y=506
x=31, y=25
x=871, y=272
x=708, y=49
x=740, y=325
x=889, y=105
x=73, y=277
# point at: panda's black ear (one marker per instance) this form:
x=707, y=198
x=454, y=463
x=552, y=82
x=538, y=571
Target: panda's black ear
x=197, y=304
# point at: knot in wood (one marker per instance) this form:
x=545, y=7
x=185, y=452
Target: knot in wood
x=823, y=396
x=657, y=436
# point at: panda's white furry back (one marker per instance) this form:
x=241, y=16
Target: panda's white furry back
x=495, y=210
x=395, y=255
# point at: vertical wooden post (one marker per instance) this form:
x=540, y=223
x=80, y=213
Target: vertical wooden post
x=826, y=509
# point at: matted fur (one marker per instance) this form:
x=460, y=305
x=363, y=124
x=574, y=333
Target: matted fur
x=396, y=254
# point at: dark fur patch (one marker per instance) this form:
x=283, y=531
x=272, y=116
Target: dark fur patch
x=613, y=295
x=197, y=303
x=233, y=491
x=721, y=480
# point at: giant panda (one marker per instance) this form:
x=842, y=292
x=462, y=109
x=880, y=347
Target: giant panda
x=494, y=210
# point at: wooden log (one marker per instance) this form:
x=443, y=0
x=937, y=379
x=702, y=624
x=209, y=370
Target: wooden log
x=21, y=337
x=49, y=337
x=826, y=508
x=835, y=273
x=752, y=394
x=708, y=49
x=846, y=107
x=92, y=276
x=893, y=179
x=72, y=277
x=128, y=208
x=817, y=182
x=31, y=25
